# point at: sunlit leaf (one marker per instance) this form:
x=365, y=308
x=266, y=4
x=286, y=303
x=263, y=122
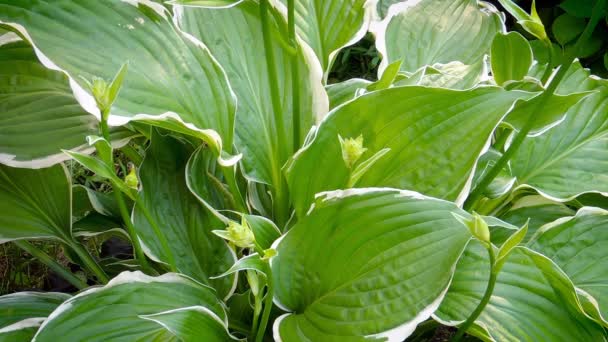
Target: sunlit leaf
x=365, y=263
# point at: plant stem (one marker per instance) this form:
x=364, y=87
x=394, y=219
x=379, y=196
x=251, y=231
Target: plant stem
x=295, y=74
x=122, y=206
x=239, y=201
x=484, y=300
x=521, y=136
x=88, y=261
x=256, y=316
x=549, y=69
x=280, y=202
x=105, y=131
x=52, y=264
x=267, y=307
x=499, y=144
x=124, y=213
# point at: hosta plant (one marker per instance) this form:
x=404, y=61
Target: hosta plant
x=464, y=187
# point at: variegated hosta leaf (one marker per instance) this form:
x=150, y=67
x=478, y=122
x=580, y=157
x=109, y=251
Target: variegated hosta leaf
x=453, y=75
x=35, y=204
x=172, y=81
x=329, y=25
x=119, y=310
x=22, y=313
x=503, y=182
x=533, y=300
x=245, y=66
x=536, y=210
x=435, y=137
x=19, y=306
x=579, y=246
x=39, y=115
x=207, y=3
x=569, y=159
x=184, y=225
x=342, y=92
x=550, y=114
x=426, y=32
x=194, y=323
x=205, y=180
x=365, y=262
x=511, y=57
x=383, y=6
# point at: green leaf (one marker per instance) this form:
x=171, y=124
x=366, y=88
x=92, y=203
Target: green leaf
x=101, y=169
x=35, y=204
x=21, y=332
x=19, y=306
x=435, y=137
x=566, y=28
x=453, y=75
x=342, y=92
x=536, y=210
x=207, y=3
x=183, y=226
x=503, y=182
x=195, y=323
x=588, y=47
x=256, y=129
x=327, y=26
x=113, y=312
x=577, y=8
x=511, y=57
x=507, y=247
x=189, y=91
x=551, y=114
x=22, y=313
x=579, y=246
x=365, y=262
x=430, y=31
x=529, y=287
x=205, y=180
x=530, y=22
x=569, y=159
x=250, y=262
x=102, y=203
x=40, y=116
x=96, y=224
x=388, y=77
x=265, y=231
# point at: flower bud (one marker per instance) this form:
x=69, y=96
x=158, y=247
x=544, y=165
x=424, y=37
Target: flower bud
x=477, y=226
x=131, y=178
x=352, y=149
x=100, y=88
x=239, y=234
x=269, y=253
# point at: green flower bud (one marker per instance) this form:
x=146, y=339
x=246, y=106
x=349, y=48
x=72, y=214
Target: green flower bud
x=352, y=149
x=269, y=253
x=239, y=234
x=100, y=90
x=477, y=226
x=131, y=179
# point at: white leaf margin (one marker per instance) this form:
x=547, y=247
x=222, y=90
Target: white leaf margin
x=196, y=308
